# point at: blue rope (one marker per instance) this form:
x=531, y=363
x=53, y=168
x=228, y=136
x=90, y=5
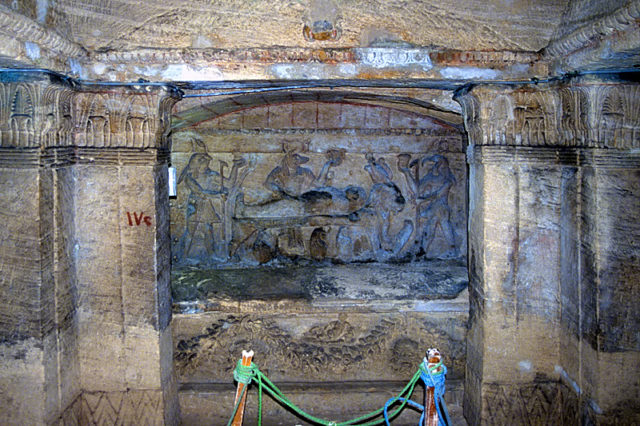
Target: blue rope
x=408, y=401
x=436, y=380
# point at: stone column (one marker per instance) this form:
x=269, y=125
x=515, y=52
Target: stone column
x=606, y=324
x=123, y=254
x=38, y=352
x=84, y=253
x=519, y=177
x=543, y=208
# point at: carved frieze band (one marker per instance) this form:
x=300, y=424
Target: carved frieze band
x=594, y=115
x=548, y=156
x=35, y=114
x=327, y=55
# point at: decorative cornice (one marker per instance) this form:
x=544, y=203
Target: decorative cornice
x=306, y=55
x=26, y=30
x=621, y=20
x=291, y=63
x=439, y=133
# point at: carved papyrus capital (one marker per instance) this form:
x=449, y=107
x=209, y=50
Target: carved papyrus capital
x=122, y=116
x=581, y=113
x=610, y=111
x=510, y=115
x=42, y=110
x=34, y=114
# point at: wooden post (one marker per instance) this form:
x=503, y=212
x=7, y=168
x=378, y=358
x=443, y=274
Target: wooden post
x=237, y=419
x=431, y=413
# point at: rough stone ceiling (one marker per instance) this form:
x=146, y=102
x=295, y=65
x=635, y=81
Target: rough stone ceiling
x=517, y=25
x=179, y=41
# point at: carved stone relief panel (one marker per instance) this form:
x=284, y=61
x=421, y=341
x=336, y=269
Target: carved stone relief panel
x=320, y=346
x=314, y=192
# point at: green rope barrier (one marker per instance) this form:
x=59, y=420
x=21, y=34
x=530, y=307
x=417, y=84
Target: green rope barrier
x=247, y=374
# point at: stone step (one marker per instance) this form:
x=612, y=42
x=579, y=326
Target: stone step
x=212, y=403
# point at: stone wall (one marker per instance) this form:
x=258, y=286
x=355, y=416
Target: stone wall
x=553, y=259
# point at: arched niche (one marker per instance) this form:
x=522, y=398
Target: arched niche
x=317, y=178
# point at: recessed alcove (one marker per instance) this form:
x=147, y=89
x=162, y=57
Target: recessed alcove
x=325, y=230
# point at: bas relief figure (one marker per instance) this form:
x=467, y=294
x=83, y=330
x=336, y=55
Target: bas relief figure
x=430, y=196
x=291, y=179
x=303, y=216
x=210, y=204
x=386, y=199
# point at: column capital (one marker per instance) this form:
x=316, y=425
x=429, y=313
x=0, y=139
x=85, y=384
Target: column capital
x=585, y=112
x=46, y=110
x=32, y=109
x=123, y=116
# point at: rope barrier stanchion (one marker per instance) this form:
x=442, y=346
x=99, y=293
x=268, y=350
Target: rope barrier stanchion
x=431, y=373
x=433, y=376
x=241, y=391
x=431, y=413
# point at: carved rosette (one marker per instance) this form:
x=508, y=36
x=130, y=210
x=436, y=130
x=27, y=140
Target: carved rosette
x=588, y=114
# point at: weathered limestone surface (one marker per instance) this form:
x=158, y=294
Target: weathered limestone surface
x=86, y=303
x=488, y=25
x=610, y=271
x=123, y=257
x=320, y=39
x=513, y=348
x=39, y=370
x=553, y=274
x=596, y=35
x=26, y=393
